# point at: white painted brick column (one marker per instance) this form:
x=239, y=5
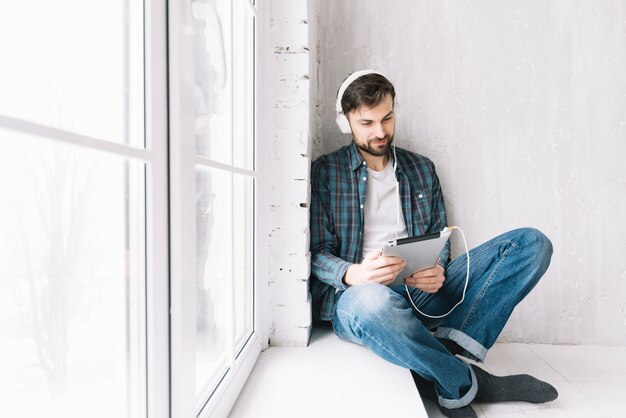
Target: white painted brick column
x=289, y=264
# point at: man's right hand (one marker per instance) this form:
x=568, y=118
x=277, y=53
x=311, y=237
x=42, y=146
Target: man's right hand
x=374, y=269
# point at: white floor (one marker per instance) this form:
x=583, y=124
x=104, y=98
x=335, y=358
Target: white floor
x=333, y=378
x=591, y=380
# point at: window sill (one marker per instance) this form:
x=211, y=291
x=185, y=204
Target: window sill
x=329, y=378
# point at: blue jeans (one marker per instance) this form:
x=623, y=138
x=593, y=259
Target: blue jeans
x=502, y=272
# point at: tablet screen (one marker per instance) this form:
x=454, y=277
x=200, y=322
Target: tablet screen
x=420, y=252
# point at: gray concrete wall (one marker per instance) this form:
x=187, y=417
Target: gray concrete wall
x=522, y=106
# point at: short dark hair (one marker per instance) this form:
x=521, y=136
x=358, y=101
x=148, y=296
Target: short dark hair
x=369, y=90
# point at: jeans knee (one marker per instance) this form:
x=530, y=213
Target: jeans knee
x=539, y=242
x=368, y=302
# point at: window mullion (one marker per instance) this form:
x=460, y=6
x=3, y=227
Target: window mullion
x=157, y=236
x=231, y=328
x=206, y=162
x=72, y=138
x=182, y=239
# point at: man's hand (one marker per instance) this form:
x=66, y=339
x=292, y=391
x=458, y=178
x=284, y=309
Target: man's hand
x=429, y=280
x=374, y=269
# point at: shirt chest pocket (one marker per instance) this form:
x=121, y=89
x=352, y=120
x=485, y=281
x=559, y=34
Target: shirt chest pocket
x=422, y=209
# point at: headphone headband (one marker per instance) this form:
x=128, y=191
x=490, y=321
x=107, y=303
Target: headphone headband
x=342, y=120
x=346, y=83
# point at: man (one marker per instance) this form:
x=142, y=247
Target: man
x=355, y=208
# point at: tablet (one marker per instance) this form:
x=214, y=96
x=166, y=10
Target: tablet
x=420, y=252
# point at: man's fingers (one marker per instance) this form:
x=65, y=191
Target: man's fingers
x=381, y=271
x=373, y=255
x=386, y=279
x=431, y=290
x=389, y=270
x=425, y=281
x=428, y=288
x=430, y=280
x=435, y=271
x=382, y=262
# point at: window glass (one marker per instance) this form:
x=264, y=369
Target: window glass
x=214, y=220
x=224, y=129
x=74, y=65
x=243, y=85
x=72, y=227
x=213, y=81
x=243, y=272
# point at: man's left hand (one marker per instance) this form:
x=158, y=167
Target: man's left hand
x=429, y=280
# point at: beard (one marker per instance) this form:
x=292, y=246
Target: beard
x=377, y=151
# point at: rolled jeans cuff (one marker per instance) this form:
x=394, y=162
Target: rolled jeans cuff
x=473, y=349
x=465, y=399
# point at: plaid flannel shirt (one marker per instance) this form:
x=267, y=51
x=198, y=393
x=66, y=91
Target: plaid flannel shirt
x=338, y=190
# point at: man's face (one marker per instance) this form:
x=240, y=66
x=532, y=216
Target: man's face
x=373, y=127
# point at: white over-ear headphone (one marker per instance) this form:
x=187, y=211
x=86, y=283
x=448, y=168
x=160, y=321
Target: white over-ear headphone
x=342, y=120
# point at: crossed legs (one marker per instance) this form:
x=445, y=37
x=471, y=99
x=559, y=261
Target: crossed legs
x=503, y=271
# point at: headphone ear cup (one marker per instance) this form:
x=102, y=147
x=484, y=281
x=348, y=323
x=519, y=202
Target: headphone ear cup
x=343, y=123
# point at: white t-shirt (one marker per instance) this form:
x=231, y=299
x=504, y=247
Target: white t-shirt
x=382, y=204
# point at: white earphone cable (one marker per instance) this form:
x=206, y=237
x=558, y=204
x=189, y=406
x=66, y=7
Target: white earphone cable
x=395, y=166
x=464, y=288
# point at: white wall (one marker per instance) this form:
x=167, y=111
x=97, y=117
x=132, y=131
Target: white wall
x=522, y=107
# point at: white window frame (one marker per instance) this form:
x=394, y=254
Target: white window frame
x=156, y=388
x=158, y=381
x=183, y=162
x=170, y=235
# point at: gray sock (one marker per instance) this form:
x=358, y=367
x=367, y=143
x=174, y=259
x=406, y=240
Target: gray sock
x=520, y=388
x=425, y=388
x=451, y=346
x=456, y=349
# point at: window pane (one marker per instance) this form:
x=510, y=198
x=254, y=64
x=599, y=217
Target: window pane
x=212, y=61
x=243, y=224
x=71, y=281
x=214, y=220
x=74, y=65
x=243, y=85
